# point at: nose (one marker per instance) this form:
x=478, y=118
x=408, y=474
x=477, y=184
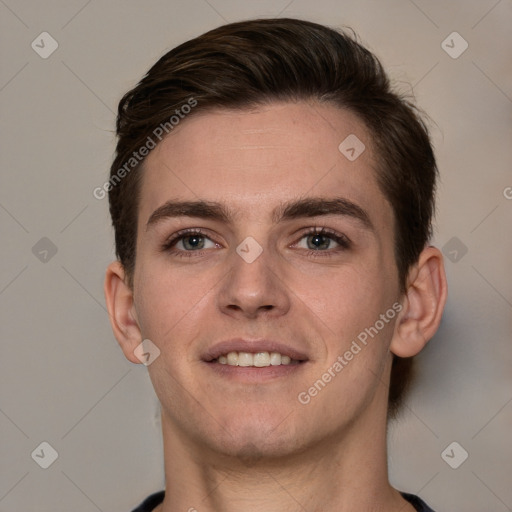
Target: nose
x=253, y=288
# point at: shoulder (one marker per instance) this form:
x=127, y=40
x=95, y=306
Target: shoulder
x=149, y=504
x=416, y=502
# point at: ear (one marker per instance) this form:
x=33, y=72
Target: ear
x=423, y=304
x=121, y=310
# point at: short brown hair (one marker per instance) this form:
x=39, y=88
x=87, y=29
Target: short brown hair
x=245, y=64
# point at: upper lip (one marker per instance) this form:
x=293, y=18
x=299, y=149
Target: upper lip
x=246, y=345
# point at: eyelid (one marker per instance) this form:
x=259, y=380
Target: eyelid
x=173, y=239
x=341, y=239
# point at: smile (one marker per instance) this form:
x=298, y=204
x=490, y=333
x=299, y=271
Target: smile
x=257, y=359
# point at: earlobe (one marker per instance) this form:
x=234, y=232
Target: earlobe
x=424, y=302
x=121, y=310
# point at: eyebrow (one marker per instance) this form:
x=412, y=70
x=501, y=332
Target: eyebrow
x=295, y=209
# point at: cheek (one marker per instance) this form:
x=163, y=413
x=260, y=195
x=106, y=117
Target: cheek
x=349, y=296
x=349, y=305
x=356, y=343
x=166, y=302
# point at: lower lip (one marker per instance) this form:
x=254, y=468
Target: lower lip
x=253, y=373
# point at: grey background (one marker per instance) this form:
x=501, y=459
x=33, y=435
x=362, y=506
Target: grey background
x=64, y=379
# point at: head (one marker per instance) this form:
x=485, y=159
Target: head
x=257, y=110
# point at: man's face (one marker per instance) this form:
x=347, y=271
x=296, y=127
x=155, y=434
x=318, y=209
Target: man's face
x=307, y=294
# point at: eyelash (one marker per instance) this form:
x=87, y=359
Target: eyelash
x=342, y=240
x=180, y=235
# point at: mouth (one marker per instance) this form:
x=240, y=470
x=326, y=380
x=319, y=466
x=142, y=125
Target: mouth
x=254, y=359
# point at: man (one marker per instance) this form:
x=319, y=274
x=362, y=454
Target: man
x=272, y=202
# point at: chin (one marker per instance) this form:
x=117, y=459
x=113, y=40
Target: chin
x=252, y=451
x=253, y=441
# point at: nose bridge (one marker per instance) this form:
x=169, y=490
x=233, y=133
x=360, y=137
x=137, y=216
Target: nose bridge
x=253, y=283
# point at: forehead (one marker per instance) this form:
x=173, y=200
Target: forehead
x=254, y=160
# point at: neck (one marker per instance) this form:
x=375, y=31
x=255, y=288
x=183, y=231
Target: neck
x=343, y=473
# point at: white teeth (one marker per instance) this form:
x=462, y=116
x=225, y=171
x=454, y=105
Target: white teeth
x=259, y=359
x=275, y=358
x=245, y=359
x=233, y=358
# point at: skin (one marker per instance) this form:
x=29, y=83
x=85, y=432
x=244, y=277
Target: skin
x=234, y=445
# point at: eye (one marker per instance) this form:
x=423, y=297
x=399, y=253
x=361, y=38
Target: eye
x=188, y=240
x=319, y=240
